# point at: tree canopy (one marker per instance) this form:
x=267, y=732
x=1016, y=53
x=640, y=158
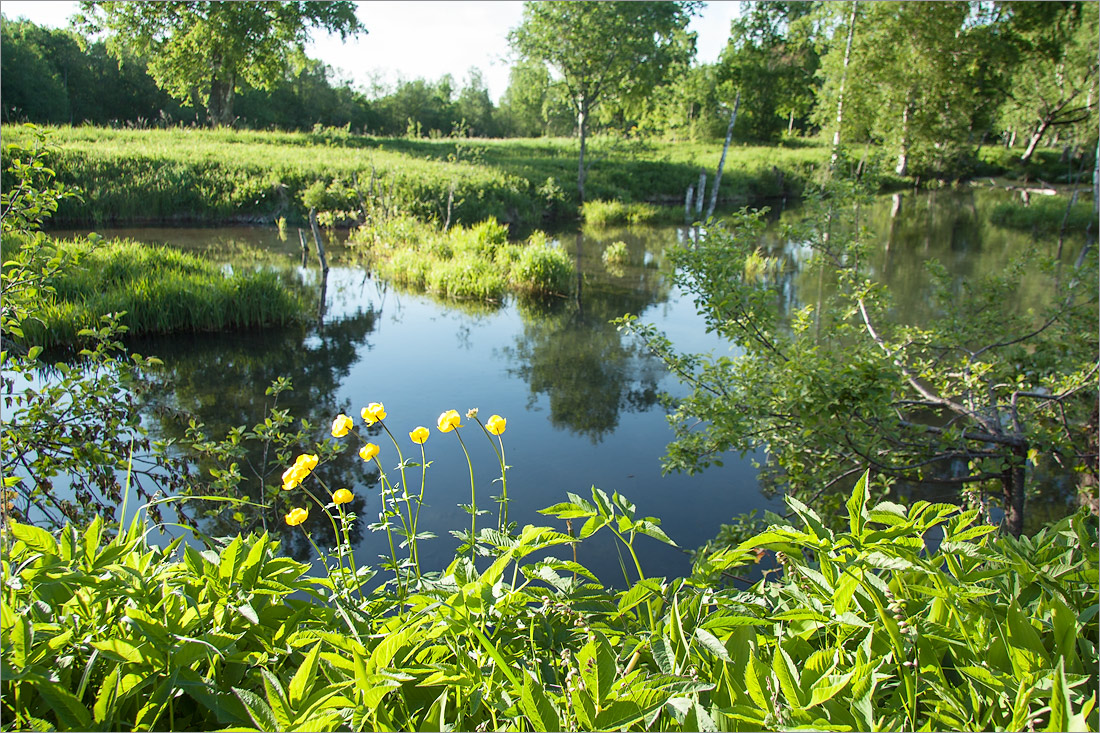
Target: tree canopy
x=604, y=50
x=208, y=50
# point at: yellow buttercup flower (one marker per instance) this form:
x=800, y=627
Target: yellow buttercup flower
x=368, y=451
x=293, y=476
x=448, y=421
x=373, y=412
x=297, y=473
x=341, y=425
x=297, y=516
x=419, y=434
x=496, y=424
x=342, y=496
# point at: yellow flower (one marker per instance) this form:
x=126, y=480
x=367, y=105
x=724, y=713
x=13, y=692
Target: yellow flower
x=419, y=434
x=297, y=516
x=373, y=412
x=297, y=473
x=342, y=496
x=293, y=476
x=448, y=421
x=368, y=451
x=341, y=425
x=496, y=425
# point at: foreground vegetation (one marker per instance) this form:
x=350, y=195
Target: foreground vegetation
x=873, y=627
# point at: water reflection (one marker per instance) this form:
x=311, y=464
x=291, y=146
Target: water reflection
x=581, y=401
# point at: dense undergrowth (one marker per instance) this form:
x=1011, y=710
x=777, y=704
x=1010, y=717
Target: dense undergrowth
x=157, y=289
x=910, y=618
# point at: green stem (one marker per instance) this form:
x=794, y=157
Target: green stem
x=419, y=503
x=473, y=498
x=386, y=520
x=413, y=555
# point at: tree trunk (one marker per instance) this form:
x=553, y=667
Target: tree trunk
x=902, y=167
x=1034, y=141
x=722, y=160
x=582, y=129
x=219, y=105
x=840, y=93
x=1014, y=487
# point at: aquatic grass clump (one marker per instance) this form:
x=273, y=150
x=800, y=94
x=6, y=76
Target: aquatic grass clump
x=605, y=213
x=160, y=290
x=1044, y=215
x=464, y=263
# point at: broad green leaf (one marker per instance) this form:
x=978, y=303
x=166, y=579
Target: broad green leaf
x=712, y=644
x=827, y=688
x=302, y=681
x=537, y=707
x=857, y=505
x=35, y=538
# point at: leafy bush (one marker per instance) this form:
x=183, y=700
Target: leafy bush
x=912, y=619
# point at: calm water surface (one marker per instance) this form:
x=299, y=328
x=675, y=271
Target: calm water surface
x=581, y=400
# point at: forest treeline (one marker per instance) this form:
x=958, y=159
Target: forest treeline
x=931, y=83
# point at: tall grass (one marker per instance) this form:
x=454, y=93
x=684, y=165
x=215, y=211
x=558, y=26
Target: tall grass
x=132, y=176
x=475, y=262
x=161, y=291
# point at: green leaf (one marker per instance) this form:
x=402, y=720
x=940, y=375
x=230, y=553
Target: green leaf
x=35, y=538
x=827, y=688
x=712, y=644
x=663, y=655
x=302, y=681
x=537, y=707
x=857, y=505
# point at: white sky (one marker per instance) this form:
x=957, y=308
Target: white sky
x=422, y=39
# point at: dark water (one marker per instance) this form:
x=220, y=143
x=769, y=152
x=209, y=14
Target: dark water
x=581, y=400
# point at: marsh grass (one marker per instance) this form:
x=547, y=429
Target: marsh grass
x=177, y=175
x=611, y=213
x=160, y=290
x=1044, y=215
x=464, y=263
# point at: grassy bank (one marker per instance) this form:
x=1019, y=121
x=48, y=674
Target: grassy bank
x=160, y=289
x=474, y=262
x=192, y=175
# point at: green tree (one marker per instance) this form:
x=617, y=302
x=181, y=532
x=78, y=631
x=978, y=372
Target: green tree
x=604, y=50
x=1053, y=80
x=533, y=104
x=209, y=50
x=971, y=394
x=772, y=63
x=474, y=108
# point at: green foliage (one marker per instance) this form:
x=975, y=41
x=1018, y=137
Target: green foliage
x=154, y=289
x=976, y=391
x=210, y=49
x=873, y=628
x=607, y=213
x=475, y=262
x=1045, y=215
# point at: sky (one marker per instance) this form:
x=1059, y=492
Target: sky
x=422, y=39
